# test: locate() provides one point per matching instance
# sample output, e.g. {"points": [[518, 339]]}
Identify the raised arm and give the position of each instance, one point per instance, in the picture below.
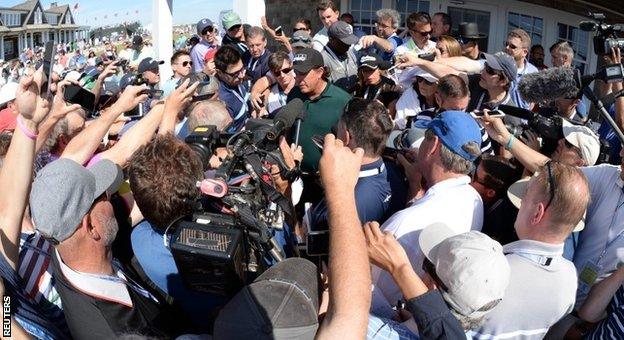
{"points": [[438, 70], [82, 147], [529, 158], [461, 64], [60, 109], [16, 171], [257, 89], [349, 271], [99, 83], [382, 43], [174, 104], [135, 137]]}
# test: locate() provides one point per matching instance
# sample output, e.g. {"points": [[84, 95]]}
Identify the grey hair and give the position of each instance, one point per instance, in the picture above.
{"points": [[60, 128], [209, 112], [387, 13], [453, 162], [563, 47], [255, 31]]}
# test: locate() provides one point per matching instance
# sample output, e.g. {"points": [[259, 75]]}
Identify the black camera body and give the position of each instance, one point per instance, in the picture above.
{"points": [[606, 35]]}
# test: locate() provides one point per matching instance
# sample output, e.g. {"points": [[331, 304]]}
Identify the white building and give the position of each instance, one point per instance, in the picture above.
{"points": [[29, 25]]}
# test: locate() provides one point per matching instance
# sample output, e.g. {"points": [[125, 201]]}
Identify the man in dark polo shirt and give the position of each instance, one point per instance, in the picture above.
{"points": [[380, 190], [70, 207], [323, 102]]}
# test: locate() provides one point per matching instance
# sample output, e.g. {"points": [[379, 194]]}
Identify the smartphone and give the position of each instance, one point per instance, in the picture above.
{"points": [[77, 95], [279, 31], [137, 112], [48, 63], [318, 243], [318, 141], [492, 114]]}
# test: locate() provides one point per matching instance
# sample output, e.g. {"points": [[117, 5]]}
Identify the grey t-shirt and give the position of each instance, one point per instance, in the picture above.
{"points": [[342, 69]]}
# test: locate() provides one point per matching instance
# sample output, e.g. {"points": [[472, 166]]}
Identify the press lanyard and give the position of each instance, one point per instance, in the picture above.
{"points": [[242, 100], [252, 66], [610, 243], [368, 91], [537, 259]]}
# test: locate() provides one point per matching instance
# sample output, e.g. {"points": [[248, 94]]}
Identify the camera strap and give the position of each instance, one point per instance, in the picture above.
{"points": [[270, 191]]}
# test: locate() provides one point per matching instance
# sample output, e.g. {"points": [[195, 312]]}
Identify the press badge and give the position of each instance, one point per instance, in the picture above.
{"points": [[588, 276]]}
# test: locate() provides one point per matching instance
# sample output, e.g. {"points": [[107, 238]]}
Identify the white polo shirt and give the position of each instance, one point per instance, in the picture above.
{"points": [[603, 224], [452, 202], [410, 46]]}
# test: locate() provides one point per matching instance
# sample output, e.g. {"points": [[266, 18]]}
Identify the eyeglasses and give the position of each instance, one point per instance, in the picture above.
{"points": [[235, 28], [551, 184], [381, 25], [511, 46], [207, 30], [236, 74], [185, 63]]}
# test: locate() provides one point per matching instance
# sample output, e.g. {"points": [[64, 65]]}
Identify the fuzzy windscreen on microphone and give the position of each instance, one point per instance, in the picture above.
{"points": [[549, 84]]}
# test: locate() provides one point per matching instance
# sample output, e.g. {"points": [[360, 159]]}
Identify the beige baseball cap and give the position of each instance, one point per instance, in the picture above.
{"points": [[516, 192], [471, 265], [583, 138]]}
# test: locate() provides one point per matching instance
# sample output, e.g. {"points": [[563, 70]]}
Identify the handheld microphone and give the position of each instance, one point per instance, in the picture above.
{"points": [[285, 118]]}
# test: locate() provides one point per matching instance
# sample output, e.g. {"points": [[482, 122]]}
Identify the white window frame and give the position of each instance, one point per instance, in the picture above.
{"points": [[358, 20], [404, 15], [530, 32]]}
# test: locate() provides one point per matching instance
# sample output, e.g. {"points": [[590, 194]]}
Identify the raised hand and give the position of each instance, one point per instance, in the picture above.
{"points": [[339, 165], [384, 250], [130, 98]]}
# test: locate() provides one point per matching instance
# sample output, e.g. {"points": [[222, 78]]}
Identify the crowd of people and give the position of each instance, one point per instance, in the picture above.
{"points": [[447, 217]]}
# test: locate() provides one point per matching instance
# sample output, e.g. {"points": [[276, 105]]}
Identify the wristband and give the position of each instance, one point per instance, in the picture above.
{"points": [[509, 143], [24, 129]]}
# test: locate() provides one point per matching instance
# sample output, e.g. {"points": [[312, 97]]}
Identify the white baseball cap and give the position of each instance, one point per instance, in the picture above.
{"points": [[583, 138], [7, 92], [471, 265], [405, 139]]}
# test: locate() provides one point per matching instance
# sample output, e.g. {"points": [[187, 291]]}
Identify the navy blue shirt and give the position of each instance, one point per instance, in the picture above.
{"points": [[396, 42], [256, 68], [606, 132], [236, 99], [158, 264], [380, 192]]}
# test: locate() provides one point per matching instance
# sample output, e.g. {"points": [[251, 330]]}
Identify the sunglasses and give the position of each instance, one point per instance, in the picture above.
{"points": [[304, 39], [510, 46], [421, 79], [236, 74], [207, 30], [492, 71], [186, 63], [299, 29], [284, 71], [235, 28], [425, 33], [551, 184]]}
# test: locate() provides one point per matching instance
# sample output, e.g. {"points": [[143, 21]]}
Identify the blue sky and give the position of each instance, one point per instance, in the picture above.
{"points": [[184, 11]]}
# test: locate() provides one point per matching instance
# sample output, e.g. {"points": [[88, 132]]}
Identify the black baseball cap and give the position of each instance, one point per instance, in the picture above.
{"points": [[373, 62], [149, 64], [137, 40], [307, 59], [282, 303], [343, 32]]}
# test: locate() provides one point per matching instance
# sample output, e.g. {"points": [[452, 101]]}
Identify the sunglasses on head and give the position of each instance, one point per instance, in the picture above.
{"points": [[207, 30], [304, 39]]}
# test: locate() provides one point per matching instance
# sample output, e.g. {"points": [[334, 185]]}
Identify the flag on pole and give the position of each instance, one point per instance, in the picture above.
{"points": [[76, 7]]}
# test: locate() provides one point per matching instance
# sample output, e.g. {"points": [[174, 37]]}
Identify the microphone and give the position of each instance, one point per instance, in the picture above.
{"points": [[588, 26], [551, 84], [517, 112], [285, 118]]}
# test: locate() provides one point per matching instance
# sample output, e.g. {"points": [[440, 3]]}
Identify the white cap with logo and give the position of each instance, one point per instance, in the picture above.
{"points": [[471, 265], [583, 138]]}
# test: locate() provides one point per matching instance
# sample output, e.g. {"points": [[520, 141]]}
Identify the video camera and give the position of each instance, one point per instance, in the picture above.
{"points": [[606, 36], [231, 236]]}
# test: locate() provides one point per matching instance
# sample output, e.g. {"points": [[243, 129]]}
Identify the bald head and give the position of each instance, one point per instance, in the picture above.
{"points": [[209, 112]]}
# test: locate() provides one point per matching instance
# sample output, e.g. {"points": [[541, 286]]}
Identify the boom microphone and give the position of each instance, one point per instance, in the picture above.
{"points": [[285, 118], [551, 84], [516, 112]]}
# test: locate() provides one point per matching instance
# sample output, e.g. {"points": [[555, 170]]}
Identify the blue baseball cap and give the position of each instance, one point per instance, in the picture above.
{"points": [[455, 129]]}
